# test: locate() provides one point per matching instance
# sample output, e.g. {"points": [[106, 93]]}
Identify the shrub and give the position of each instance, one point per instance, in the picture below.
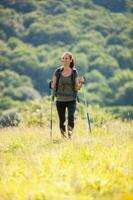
{"points": [[124, 112], [9, 118]]}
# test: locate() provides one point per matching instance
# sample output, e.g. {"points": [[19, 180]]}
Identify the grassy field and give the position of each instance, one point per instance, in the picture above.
{"points": [[97, 166]]}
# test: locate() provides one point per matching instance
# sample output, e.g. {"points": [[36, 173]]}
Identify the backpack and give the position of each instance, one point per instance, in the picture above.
{"points": [[73, 76]]}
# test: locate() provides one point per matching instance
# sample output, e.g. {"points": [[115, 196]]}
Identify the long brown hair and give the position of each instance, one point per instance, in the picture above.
{"points": [[71, 57]]}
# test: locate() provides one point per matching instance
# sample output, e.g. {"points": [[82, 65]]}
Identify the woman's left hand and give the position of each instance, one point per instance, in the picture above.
{"points": [[81, 79]]}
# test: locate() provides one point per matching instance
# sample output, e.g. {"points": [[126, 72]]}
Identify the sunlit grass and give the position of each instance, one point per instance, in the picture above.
{"points": [[90, 166]]}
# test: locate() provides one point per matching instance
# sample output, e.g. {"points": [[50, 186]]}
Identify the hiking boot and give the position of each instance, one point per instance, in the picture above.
{"points": [[70, 129], [63, 133]]}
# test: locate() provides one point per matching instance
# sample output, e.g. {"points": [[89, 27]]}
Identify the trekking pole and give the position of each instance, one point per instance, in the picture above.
{"points": [[86, 107], [51, 113]]}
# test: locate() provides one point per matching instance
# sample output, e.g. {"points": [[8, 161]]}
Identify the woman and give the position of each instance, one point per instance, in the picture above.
{"points": [[66, 83]]}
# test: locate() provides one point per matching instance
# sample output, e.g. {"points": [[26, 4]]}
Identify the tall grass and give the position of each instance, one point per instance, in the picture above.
{"points": [[95, 166]]}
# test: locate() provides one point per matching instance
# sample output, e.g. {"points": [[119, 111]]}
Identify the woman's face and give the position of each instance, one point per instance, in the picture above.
{"points": [[66, 59]]}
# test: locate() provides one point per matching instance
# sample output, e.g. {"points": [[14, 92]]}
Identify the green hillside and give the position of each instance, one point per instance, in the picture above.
{"points": [[34, 34]]}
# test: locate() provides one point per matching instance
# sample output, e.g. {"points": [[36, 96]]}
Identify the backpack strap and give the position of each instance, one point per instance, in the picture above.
{"points": [[73, 76], [58, 73]]}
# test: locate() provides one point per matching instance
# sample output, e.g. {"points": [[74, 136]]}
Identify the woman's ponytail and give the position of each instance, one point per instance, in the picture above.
{"points": [[72, 63]]}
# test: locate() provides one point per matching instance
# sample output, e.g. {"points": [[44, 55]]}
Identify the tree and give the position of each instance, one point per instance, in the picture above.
{"points": [[14, 42], [10, 78], [113, 5], [81, 63], [114, 39], [11, 23], [21, 93], [122, 55], [98, 89], [105, 64], [20, 5], [41, 32], [7, 102], [121, 87], [125, 94], [120, 78]]}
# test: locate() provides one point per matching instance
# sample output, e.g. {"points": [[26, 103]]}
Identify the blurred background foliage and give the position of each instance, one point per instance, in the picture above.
{"points": [[34, 34]]}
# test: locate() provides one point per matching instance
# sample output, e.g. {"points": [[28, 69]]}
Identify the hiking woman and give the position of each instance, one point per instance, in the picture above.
{"points": [[66, 83]]}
